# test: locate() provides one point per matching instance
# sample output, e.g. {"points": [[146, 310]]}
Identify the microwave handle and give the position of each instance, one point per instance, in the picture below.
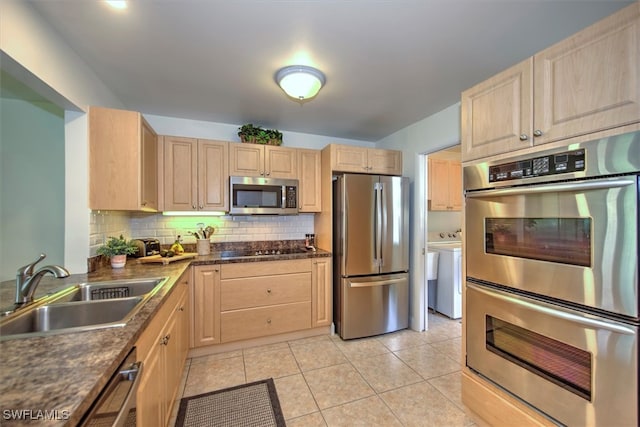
{"points": [[551, 188], [554, 312]]}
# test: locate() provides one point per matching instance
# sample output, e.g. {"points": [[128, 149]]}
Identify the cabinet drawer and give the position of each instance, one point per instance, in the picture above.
{"points": [[248, 269], [258, 322], [265, 290]]}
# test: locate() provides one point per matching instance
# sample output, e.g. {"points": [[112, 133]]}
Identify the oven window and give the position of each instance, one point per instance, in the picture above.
{"points": [[562, 364], [562, 240]]}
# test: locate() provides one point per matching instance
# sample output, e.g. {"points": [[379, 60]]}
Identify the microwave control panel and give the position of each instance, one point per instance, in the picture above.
{"points": [[553, 164], [291, 200]]}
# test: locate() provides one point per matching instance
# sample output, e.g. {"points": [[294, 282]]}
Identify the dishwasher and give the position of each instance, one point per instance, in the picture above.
{"points": [[116, 405]]}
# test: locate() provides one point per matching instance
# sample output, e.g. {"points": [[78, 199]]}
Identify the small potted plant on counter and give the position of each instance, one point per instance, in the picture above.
{"points": [[117, 249]]}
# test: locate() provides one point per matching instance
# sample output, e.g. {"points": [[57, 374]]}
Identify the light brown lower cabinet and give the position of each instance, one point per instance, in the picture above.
{"points": [[322, 292], [241, 301], [163, 347], [205, 306]]}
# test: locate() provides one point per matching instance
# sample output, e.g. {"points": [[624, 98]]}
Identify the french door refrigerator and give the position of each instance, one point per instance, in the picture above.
{"points": [[371, 254]]}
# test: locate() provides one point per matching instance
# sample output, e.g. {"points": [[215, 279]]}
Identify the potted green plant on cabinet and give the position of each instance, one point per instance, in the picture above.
{"points": [[250, 133], [117, 249]]}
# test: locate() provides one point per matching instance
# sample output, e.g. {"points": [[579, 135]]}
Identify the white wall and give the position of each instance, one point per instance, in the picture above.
{"points": [[33, 53], [229, 132], [30, 41], [32, 184], [436, 132]]}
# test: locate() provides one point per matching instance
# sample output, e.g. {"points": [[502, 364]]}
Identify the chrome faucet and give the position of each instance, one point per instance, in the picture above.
{"points": [[27, 281]]}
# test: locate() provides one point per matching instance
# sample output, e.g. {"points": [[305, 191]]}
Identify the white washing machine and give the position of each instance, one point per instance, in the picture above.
{"points": [[449, 282]]}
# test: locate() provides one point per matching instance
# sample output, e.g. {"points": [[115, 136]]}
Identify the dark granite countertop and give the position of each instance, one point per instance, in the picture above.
{"points": [[66, 372]]}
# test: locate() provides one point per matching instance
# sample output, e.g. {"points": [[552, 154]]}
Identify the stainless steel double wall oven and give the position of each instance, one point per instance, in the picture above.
{"points": [[552, 279]]}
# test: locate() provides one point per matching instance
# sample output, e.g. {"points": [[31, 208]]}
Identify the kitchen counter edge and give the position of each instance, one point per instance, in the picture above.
{"points": [[63, 374]]}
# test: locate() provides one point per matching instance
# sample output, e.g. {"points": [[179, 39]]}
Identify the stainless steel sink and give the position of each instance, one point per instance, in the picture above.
{"points": [[72, 316], [82, 307], [112, 289]]}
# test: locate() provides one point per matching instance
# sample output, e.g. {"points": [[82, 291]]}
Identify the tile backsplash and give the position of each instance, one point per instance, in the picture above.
{"points": [[227, 228], [104, 224]]}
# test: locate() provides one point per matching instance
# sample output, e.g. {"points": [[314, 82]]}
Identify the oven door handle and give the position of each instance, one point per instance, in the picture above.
{"points": [[554, 312], [552, 188]]}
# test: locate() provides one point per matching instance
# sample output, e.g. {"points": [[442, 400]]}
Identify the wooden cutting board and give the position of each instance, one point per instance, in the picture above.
{"points": [[166, 260]]}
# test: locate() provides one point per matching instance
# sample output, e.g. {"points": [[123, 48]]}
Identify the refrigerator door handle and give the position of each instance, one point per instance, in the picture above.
{"points": [[378, 224], [376, 283]]}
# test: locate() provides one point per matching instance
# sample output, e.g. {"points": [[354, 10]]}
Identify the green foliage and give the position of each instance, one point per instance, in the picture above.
{"points": [[258, 135], [117, 246]]}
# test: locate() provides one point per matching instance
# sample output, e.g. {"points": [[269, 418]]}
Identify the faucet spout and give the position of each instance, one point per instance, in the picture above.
{"points": [[27, 281]]}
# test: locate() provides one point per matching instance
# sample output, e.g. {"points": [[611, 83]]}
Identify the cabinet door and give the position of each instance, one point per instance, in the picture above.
{"points": [[445, 185], [346, 158], [205, 304], [322, 293], [310, 187], [213, 175], [149, 188], [280, 162], [438, 184], [180, 173], [455, 185], [385, 162], [173, 366], [590, 81], [496, 115], [246, 160], [115, 160], [149, 398]]}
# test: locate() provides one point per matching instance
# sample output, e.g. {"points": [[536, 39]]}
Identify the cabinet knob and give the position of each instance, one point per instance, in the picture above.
{"points": [[537, 132], [269, 321], [523, 137], [262, 173], [193, 207], [144, 203], [268, 173], [201, 207], [181, 309], [268, 291]]}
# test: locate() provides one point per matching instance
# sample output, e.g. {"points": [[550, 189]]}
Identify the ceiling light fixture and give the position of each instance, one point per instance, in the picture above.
{"points": [[300, 81], [117, 4]]}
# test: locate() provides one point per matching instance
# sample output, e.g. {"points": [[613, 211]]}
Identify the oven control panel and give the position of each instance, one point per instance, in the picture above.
{"points": [[553, 164]]}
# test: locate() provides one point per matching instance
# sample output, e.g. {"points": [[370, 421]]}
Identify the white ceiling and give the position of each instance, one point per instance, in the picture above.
{"points": [[389, 63]]}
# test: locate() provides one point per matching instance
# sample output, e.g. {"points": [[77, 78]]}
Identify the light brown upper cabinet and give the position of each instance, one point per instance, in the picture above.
{"points": [[262, 160], [348, 158], [586, 83], [123, 161], [196, 175], [445, 185], [310, 186]]}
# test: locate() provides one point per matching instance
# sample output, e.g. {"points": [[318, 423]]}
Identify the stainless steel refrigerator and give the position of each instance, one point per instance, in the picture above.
{"points": [[371, 254]]}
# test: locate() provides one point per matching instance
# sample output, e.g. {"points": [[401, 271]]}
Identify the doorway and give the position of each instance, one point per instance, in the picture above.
{"points": [[441, 209]]}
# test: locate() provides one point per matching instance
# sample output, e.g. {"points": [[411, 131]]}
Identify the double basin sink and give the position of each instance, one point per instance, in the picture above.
{"points": [[81, 307]]}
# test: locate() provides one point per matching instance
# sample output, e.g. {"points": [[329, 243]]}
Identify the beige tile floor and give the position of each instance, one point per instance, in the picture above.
{"points": [[404, 378]]}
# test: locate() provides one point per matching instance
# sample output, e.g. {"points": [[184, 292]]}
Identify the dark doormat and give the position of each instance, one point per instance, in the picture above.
{"points": [[254, 404]]}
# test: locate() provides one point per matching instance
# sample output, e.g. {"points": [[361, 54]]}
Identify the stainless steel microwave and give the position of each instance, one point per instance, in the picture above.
{"points": [[263, 196]]}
